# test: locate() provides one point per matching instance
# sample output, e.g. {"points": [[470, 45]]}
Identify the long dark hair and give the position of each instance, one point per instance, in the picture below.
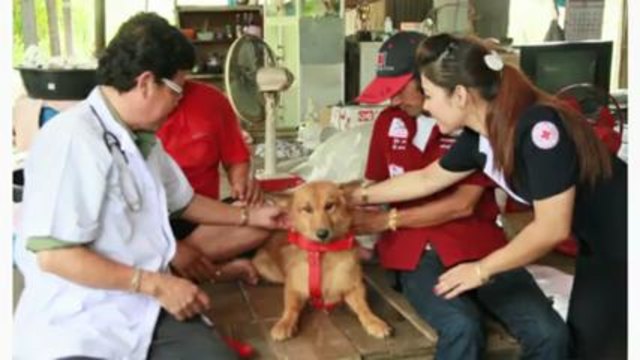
{"points": [[448, 61]]}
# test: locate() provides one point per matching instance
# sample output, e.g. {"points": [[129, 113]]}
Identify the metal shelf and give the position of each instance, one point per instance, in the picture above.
{"points": [[214, 41], [205, 76], [238, 8]]}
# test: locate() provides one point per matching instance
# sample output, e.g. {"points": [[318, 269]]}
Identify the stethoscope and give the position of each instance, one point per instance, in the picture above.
{"points": [[128, 184]]}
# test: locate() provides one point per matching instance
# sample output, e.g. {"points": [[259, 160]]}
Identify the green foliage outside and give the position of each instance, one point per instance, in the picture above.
{"points": [[82, 19]]}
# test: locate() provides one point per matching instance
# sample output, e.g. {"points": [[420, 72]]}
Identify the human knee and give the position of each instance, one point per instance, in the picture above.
{"points": [[462, 328], [549, 337]]}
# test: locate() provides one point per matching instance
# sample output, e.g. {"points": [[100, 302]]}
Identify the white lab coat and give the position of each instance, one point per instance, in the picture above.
{"points": [[72, 193]]}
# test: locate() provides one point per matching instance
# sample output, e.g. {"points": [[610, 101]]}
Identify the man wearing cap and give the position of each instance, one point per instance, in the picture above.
{"points": [[422, 238]]}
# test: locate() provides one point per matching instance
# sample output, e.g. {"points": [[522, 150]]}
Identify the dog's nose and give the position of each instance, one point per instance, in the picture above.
{"points": [[323, 234]]}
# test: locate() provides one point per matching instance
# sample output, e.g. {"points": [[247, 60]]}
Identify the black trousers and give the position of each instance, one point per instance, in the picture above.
{"points": [[187, 340], [182, 340], [598, 309]]}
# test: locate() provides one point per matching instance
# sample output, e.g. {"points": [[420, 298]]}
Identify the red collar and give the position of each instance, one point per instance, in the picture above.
{"points": [[314, 256]]}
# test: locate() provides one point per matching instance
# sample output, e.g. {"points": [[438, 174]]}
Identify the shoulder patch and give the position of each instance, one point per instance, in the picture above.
{"points": [[395, 170], [545, 135], [398, 129]]}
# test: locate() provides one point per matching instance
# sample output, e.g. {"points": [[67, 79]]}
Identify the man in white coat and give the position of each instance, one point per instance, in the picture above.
{"points": [[96, 237]]}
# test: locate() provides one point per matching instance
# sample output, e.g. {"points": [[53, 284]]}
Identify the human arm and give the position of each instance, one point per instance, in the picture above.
{"points": [[81, 265], [458, 163], [235, 156], [550, 226], [243, 186], [411, 185], [550, 169], [460, 203], [191, 263], [203, 210]]}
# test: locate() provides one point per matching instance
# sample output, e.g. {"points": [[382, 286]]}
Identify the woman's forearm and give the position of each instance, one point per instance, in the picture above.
{"points": [[533, 242], [408, 186], [550, 226]]}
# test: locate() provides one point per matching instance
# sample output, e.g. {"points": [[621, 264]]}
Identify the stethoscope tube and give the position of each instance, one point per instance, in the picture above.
{"points": [[126, 180]]}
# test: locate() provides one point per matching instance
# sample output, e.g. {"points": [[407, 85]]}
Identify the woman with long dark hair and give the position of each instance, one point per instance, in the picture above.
{"points": [[540, 152]]}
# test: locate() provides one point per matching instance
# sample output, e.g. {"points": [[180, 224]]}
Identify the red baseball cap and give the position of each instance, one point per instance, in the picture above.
{"points": [[395, 67]]}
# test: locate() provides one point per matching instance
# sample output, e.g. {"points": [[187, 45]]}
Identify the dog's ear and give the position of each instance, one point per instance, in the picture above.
{"points": [[280, 199], [350, 185], [347, 188]]}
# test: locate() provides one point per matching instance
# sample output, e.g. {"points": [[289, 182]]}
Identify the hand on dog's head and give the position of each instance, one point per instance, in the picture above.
{"points": [[318, 210]]}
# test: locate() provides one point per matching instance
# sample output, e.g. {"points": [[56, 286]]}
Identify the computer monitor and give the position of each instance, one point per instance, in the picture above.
{"points": [[552, 66]]}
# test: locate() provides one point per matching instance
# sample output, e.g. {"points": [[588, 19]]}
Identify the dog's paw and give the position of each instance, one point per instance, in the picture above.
{"points": [[282, 330], [377, 328]]}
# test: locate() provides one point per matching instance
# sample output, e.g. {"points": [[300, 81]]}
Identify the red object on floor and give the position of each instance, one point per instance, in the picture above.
{"points": [[281, 183], [242, 349], [568, 247]]}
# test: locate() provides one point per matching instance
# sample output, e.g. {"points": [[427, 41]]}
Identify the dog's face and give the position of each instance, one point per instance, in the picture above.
{"points": [[319, 211]]}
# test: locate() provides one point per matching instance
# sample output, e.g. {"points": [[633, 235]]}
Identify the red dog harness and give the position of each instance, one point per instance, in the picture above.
{"points": [[315, 250]]}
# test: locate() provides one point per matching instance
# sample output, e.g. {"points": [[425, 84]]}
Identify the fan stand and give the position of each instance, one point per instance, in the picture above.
{"points": [[271, 81], [270, 135], [248, 94]]}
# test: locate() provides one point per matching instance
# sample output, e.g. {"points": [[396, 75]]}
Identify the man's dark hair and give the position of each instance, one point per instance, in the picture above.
{"points": [[145, 42]]}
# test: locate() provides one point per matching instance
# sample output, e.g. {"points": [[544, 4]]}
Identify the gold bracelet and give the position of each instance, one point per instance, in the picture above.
{"points": [[135, 280], [244, 215], [392, 220], [364, 194], [481, 274]]}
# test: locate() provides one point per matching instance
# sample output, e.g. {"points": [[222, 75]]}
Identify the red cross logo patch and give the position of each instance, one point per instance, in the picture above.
{"points": [[545, 135]]}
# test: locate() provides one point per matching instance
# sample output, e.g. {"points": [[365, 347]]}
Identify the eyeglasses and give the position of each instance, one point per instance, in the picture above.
{"points": [[173, 86]]}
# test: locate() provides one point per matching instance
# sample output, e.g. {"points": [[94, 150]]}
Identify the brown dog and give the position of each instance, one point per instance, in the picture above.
{"points": [[318, 211]]}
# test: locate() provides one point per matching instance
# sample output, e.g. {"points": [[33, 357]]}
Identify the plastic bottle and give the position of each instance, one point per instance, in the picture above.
{"points": [[388, 26], [310, 129]]}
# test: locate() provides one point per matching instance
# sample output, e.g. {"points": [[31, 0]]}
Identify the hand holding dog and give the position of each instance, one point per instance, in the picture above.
{"points": [[248, 192], [369, 220], [268, 217]]}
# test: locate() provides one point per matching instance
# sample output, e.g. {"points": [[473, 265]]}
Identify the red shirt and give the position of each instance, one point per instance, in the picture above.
{"points": [[200, 133], [394, 150]]}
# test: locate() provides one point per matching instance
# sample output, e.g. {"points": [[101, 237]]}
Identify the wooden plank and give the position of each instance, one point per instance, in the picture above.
{"points": [[375, 277], [228, 305], [232, 315], [406, 341], [500, 344], [266, 300], [317, 338], [253, 334]]}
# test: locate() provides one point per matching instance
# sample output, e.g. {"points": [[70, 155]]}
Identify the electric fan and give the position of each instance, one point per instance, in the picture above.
{"points": [[253, 82], [600, 109]]}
